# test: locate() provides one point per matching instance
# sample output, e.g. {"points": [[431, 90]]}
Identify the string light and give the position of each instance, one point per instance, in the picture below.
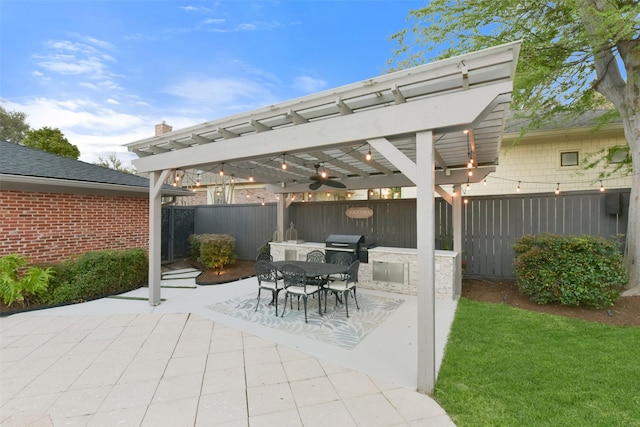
{"points": [[518, 187], [558, 189], [484, 181], [198, 180], [233, 178], [284, 163], [601, 186], [466, 201], [250, 175], [368, 156], [222, 170]]}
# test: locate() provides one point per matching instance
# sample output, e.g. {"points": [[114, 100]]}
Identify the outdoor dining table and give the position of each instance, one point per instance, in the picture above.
{"points": [[315, 270]]}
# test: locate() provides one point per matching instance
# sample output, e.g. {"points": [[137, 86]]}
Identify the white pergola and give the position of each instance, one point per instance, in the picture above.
{"points": [[422, 126]]}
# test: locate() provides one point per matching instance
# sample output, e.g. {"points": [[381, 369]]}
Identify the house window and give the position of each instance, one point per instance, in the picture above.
{"points": [[569, 158], [618, 154]]}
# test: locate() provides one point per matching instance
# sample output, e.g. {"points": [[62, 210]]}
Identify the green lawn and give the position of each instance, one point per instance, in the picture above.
{"points": [[510, 367]]}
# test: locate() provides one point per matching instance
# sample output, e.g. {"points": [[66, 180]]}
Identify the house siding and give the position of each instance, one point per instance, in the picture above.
{"points": [[535, 163], [50, 227]]}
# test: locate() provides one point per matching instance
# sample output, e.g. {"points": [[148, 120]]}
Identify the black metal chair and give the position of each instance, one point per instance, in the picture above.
{"points": [[316, 256], [267, 275], [342, 258], [295, 283], [344, 287], [263, 256]]}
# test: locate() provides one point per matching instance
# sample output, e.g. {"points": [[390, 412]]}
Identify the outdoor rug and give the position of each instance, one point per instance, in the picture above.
{"points": [[333, 327]]}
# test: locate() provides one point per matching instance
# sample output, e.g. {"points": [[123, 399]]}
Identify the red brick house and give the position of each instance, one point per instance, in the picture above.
{"points": [[53, 207]]}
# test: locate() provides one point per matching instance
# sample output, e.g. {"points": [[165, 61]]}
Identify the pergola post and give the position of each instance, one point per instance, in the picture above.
{"points": [[457, 233], [425, 212], [156, 179]]}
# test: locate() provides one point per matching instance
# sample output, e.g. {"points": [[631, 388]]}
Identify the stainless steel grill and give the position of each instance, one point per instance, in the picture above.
{"points": [[351, 243]]}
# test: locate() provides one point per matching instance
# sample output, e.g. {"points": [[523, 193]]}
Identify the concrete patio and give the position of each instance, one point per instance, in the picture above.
{"points": [[122, 362]]}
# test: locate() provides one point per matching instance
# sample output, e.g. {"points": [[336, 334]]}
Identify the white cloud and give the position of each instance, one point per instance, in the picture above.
{"points": [[112, 101], [224, 93], [309, 84], [214, 21], [85, 58]]}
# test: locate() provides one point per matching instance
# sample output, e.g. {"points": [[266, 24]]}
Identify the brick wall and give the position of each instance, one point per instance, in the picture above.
{"points": [[50, 227]]}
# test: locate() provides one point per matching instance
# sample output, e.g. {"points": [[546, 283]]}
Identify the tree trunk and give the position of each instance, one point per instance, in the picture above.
{"points": [[632, 250], [624, 93]]}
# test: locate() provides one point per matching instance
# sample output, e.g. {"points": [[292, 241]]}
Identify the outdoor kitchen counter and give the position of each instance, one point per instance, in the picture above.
{"points": [[389, 269]]}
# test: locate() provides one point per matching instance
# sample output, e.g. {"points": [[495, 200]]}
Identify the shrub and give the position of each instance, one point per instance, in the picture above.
{"points": [[99, 273], [214, 250], [570, 270], [19, 283]]}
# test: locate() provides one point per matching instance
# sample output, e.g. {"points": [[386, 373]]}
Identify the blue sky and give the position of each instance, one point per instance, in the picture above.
{"points": [[105, 72]]}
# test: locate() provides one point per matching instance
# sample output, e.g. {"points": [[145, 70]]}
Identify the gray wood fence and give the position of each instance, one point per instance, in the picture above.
{"points": [[491, 224]]}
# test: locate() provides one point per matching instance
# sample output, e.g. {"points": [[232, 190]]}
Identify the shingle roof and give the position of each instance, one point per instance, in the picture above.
{"points": [[18, 160], [587, 120]]}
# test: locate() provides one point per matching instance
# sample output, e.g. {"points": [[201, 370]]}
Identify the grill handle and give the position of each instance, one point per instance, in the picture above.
{"points": [[339, 244]]}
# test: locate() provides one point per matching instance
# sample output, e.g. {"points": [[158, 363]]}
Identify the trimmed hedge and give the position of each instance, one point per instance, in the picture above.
{"points": [[213, 250], [570, 270], [97, 274]]}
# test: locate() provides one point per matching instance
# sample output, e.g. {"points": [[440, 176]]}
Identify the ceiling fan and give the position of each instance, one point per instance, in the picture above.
{"points": [[320, 180]]}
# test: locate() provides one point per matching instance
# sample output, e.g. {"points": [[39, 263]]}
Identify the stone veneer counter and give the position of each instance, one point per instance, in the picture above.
{"points": [[389, 269]]}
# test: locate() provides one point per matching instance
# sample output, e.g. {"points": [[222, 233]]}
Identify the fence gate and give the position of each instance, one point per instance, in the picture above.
{"points": [[177, 225]]}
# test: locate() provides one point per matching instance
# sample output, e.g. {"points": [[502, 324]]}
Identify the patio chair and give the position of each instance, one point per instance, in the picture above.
{"points": [[295, 283], [342, 258], [344, 287], [268, 279], [316, 256], [264, 257]]}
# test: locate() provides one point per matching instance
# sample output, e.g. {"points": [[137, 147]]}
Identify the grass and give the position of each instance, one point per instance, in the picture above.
{"points": [[505, 366]]}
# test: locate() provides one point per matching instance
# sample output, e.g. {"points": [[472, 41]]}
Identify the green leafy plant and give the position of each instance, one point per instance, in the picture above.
{"points": [[214, 250], [570, 270], [19, 282]]}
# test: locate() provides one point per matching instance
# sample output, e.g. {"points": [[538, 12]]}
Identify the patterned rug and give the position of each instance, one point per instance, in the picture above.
{"points": [[333, 327]]}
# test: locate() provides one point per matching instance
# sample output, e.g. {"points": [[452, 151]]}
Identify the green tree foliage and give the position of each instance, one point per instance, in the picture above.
{"points": [[112, 161], [13, 125], [52, 141], [577, 55]]}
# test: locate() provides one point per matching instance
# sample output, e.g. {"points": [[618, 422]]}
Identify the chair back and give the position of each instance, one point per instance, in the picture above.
{"points": [[266, 272], [352, 273], [316, 256], [293, 276], [263, 256], [341, 258]]}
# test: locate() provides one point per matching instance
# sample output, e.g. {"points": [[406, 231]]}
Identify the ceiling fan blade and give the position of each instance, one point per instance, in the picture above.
{"points": [[334, 184], [315, 185]]}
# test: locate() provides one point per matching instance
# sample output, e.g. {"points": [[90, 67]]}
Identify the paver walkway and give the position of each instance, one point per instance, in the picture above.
{"points": [[63, 368]]}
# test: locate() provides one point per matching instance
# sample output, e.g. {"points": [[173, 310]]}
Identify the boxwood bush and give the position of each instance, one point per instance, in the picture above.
{"points": [[213, 250], [570, 270], [97, 274]]}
